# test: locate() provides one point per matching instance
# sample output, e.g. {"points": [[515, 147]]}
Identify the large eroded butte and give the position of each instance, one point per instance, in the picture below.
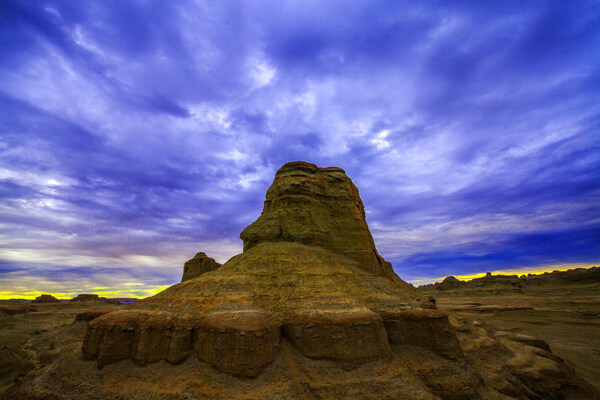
{"points": [[309, 273], [311, 278]]}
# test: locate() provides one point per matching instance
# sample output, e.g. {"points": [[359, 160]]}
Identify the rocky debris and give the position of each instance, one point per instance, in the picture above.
{"points": [[46, 298], [309, 295], [197, 266], [576, 276]]}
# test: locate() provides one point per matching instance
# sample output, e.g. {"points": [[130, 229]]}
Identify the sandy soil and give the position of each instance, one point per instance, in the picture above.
{"points": [[568, 319]]}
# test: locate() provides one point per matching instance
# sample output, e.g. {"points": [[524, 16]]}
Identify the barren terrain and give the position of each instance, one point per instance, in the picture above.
{"points": [[567, 318], [32, 335], [37, 340]]}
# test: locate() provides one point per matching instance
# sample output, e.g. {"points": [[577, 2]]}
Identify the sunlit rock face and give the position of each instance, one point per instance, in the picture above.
{"points": [[310, 298]]}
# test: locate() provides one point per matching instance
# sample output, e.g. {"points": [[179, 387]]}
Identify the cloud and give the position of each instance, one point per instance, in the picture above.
{"points": [[137, 130]]}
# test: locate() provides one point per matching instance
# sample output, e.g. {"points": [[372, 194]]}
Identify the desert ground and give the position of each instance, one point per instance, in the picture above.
{"points": [[32, 335], [36, 338], [567, 318]]}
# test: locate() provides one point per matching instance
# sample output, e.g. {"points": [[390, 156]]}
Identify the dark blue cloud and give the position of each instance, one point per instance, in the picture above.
{"points": [[530, 249], [152, 130]]}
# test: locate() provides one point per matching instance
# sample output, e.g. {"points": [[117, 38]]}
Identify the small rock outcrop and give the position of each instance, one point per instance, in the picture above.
{"points": [[46, 298], [197, 266]]}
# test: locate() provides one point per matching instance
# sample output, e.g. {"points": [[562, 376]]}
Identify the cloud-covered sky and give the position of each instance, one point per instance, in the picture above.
{"points": [[135, 133]]}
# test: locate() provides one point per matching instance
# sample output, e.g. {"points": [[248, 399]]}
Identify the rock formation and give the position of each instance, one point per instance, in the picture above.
{"points": [[310, 287], [448, 283], [93, 297], [46, 298], [85, 297], [197, 266], [309, 272]]}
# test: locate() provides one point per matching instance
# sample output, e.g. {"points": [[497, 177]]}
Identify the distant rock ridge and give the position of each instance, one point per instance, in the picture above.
{"points": [[449, 282], [569, 277]]}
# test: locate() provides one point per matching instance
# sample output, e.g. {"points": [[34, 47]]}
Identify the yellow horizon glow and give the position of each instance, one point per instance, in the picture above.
{"points": [[117, 293], [142, 292]]}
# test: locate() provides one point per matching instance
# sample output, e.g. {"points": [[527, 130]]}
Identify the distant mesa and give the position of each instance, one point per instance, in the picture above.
{"points": [[93, 297], [46, 298], [85, 297], [197, 266], [311, 293]]}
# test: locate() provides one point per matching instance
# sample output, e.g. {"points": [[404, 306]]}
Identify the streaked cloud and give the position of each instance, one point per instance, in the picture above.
{"points": [[134, 134]]}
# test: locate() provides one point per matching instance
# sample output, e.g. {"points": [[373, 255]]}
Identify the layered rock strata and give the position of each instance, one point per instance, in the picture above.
{"points": [[309, 297], [309, 273]]}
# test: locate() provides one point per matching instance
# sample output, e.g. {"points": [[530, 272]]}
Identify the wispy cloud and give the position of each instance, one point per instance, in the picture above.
{"points": [[134, 134]]}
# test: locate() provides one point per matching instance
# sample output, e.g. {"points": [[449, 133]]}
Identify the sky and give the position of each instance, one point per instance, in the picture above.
{"points": [[134, 133]]}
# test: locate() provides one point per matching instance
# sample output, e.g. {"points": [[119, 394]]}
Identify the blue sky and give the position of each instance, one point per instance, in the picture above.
{"points": [[135, 133]]}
